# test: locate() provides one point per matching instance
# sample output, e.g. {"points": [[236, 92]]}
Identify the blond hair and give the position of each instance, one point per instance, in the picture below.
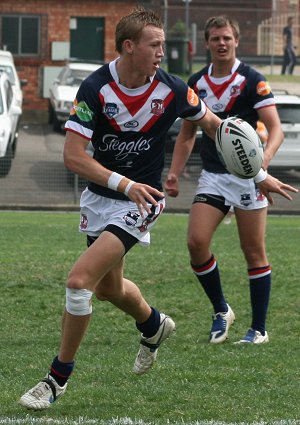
{"points": [[130, 27]]}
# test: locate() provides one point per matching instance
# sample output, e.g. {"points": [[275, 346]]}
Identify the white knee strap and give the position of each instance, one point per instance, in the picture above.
{"points": [[78, 301]]}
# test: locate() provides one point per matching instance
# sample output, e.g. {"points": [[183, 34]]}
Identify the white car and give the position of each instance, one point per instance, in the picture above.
{"points": [[10, 114], [288, 155], [7, 64], [63, 91]]}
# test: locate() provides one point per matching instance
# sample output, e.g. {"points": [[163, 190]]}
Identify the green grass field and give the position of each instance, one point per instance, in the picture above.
{"points": [[192, 382]]}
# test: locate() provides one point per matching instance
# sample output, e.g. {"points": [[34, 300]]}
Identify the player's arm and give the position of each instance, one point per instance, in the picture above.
{"points": [[209, 123], [184, 146], [77, 160], [269, 116], [181, 152]]}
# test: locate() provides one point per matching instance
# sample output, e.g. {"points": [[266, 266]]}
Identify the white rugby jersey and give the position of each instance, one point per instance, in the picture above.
{"points": [[240, 94], [128, 126]]}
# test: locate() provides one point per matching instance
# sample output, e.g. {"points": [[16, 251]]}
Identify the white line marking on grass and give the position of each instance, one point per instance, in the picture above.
{"points": [[31, 420]]}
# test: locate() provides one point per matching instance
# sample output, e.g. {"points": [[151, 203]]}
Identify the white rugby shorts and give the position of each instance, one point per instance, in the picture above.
{"points": [[240, 193], [96, 212]]}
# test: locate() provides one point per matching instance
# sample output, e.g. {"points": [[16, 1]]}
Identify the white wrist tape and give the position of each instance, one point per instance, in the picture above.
{"points": [[114, 180], [261, 176], [127, 188]]}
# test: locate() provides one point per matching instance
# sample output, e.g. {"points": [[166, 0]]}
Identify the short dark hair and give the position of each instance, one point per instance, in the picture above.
{"points": [[131, 26], [220, 22]]}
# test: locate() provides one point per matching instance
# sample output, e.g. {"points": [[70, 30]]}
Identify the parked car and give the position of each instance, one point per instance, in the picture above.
{"points": [[7, 64], [63, 91], [10, 114], [288, 155]]}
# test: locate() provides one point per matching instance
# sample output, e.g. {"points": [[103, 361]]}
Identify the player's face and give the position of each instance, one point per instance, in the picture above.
{"points": [[222, 44], [148, 52]]}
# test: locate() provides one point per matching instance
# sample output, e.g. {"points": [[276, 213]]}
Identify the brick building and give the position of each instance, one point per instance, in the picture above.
{"points": [[256, 19], [43, 34], [39, 32]]}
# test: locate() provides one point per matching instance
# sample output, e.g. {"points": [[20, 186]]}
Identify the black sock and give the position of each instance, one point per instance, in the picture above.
{"points": [[260, 287], [151, 325], [61, 371], [209, 277]]}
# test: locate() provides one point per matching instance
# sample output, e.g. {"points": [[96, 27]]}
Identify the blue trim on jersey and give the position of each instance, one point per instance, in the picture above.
{"points": [[128, 127], [239, 98]]}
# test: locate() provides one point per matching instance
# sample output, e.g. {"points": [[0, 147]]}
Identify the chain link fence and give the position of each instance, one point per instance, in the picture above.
{"points": [[38, 179]]}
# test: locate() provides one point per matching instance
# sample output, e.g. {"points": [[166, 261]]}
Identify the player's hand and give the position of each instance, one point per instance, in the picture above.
{"points": [[271, 184], [172, 185], [142, 195]]}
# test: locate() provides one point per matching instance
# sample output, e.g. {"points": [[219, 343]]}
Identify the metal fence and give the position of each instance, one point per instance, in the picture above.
{"points": [[261, 23], [269, 33], [39, 180]]}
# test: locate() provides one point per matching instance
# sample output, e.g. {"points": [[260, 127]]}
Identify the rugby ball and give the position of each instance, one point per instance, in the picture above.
{"points": [[239, 147]]}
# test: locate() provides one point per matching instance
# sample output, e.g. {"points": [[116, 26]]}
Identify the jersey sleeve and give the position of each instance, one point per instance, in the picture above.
{"points": [[85, 110], [260, 91], [189, 105]]}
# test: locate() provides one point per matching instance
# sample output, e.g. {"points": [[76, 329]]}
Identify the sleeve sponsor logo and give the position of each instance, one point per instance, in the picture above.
{"points": [[192, 98], [82, 110], [263, 88]]}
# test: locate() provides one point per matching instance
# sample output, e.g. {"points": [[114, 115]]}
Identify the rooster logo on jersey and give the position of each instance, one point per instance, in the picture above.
{"points": [[235, 90], [157, 107]]}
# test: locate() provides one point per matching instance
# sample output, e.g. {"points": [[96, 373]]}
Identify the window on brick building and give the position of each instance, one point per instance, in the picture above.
{"points": [[20, 34]]}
